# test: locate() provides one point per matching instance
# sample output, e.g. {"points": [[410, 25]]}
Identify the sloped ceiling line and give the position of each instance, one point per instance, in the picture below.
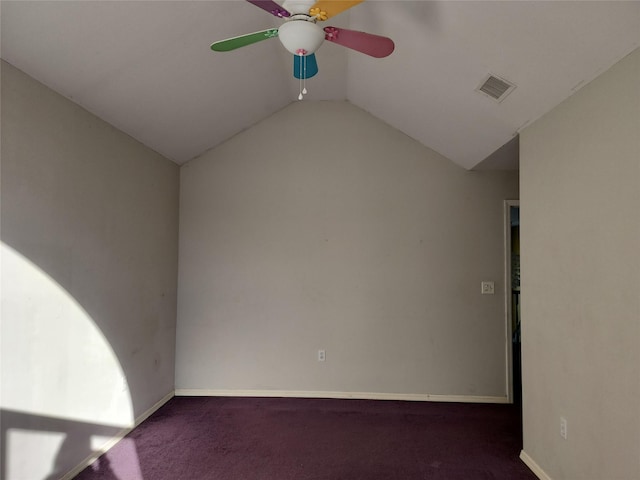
{"points": [[146, 67]]}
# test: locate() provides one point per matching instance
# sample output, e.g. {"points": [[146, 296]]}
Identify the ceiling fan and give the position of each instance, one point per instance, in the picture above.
{"points": [[302, 36]]}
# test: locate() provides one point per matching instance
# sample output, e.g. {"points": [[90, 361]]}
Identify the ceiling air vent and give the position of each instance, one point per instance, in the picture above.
{"points": [[496, 87]]}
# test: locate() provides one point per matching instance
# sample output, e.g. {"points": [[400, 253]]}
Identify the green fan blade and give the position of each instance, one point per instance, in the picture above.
{"points": [[243, 40]]}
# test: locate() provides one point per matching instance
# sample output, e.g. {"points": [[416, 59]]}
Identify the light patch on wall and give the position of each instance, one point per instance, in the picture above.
{"points": [[67, 369], [19, 440]]}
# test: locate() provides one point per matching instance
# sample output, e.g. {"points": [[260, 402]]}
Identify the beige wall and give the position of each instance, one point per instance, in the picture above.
{"points": [[580, 234], [89, 269], [324, 228]]}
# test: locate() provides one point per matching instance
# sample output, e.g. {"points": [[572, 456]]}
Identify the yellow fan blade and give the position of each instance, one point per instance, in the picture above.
{"points": [[324, 9]]}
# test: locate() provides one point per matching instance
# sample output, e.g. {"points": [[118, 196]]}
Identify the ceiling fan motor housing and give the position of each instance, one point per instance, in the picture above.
{"points": [[301, 36], [298, 6]]}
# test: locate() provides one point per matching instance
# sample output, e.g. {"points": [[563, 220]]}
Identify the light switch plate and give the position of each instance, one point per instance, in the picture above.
{"points": [[488, 288]]}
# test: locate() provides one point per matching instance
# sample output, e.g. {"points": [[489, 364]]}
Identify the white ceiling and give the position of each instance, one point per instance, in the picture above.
{"points": [[146, 67]]}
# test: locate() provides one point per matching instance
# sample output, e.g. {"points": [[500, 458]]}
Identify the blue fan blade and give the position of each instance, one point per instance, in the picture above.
{"points": [[305, 67]]}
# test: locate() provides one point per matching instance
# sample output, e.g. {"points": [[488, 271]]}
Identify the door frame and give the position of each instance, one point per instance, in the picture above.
{"points": [[508, 297]]}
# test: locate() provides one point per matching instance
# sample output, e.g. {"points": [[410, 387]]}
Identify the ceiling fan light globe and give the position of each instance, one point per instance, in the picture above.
{"points": [[301, 36]]}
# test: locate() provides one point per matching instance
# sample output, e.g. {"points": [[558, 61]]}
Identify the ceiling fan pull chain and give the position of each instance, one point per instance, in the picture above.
{"points": [[300, 96], [303, 69], [304, 77]]}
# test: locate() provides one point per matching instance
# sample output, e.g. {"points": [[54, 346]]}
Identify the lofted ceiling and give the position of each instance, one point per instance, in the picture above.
{"points": [[146, 67]]}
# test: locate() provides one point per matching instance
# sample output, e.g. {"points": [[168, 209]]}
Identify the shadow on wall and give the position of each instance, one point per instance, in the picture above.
{"points": [[63, 439], [64, 393]]}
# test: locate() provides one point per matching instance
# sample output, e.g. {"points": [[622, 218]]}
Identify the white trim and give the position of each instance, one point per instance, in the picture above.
{"points": [[533, 466], [415, 397], [507, 296], [115, 439]]}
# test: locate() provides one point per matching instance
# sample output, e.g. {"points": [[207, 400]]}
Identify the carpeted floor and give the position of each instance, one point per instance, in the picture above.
{"points": [[282, 438]]}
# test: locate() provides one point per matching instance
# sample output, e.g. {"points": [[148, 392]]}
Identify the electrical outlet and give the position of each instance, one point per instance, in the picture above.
{"points": [[321, 355], [563, 427], [488, 288]]}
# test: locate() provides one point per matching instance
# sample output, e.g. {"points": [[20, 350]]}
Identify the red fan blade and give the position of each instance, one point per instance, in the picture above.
{"points": [[367, 43], [270, 6]]}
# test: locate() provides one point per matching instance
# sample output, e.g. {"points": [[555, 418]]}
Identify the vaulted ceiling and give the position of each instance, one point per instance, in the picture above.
{"points": [[146, 66]]}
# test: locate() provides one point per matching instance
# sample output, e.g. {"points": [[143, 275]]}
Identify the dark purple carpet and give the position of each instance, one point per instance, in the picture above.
{"points": [[282, 438]]}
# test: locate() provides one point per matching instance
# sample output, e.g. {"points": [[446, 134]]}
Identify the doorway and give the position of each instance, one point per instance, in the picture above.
{"points": [[512, 300]]}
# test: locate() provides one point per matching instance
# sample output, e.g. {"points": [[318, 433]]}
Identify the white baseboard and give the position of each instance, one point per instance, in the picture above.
{"points": [[415, 397], [533, 466], [119, 436]]}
